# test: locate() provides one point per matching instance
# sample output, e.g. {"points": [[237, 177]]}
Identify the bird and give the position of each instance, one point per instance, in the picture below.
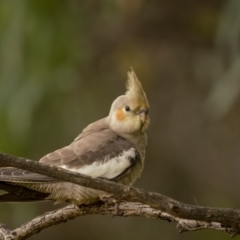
{"points": [[111, 148]]}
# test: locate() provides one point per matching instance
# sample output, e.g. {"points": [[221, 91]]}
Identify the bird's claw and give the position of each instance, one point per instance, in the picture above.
{"points": [[111, 200]]}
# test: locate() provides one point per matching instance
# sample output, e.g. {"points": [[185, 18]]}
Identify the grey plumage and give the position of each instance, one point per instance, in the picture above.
{"points": [[112, 148]]}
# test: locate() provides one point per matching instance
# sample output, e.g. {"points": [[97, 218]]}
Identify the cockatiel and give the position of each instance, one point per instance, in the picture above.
{"points": [[112, 148]]}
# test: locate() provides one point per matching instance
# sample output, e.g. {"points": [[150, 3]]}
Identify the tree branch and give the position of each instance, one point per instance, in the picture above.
{"points": [[125, 209], [149, 204]]}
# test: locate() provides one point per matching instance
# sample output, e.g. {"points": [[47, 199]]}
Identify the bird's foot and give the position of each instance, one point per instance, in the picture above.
{"points": [[109, 199]]}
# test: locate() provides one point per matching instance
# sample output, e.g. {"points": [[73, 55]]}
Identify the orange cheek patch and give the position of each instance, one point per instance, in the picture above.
{"points": [[120, 115]]}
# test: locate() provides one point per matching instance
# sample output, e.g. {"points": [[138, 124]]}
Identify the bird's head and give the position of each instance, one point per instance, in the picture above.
{"points": [[129, 112]]}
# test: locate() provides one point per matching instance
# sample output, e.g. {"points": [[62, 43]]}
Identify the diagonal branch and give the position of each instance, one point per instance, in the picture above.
{"points": [[189, 217]]}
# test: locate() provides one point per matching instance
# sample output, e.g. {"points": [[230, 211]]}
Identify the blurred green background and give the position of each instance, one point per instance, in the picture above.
{"points": [[62, 63]]}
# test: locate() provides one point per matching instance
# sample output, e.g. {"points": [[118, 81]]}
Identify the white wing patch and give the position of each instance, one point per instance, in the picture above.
{"points": [[108, 168]]}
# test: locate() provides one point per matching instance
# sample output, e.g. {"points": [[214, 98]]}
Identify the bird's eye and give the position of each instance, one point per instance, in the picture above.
{"points": [[127, 108]]}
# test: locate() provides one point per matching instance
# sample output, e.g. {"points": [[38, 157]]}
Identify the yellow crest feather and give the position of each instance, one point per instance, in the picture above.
{"points": [[135, 90]]}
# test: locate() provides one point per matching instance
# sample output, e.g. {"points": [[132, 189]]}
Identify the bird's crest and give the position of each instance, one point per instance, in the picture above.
{"points": [[135, 90]]}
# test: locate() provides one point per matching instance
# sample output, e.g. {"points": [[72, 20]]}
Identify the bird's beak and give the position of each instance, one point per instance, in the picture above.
{"points": [[142, 114]]}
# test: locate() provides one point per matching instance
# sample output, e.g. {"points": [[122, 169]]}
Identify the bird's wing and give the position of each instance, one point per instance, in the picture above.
{"points": [[97, 153]]}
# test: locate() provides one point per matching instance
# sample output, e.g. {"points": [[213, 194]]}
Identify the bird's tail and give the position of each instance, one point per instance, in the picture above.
{"points": [[12, 183], [8, 197], [14, 193]]}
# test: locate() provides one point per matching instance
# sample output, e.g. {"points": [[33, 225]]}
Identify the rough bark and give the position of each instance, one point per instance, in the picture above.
{"points": [[132, 201]]}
